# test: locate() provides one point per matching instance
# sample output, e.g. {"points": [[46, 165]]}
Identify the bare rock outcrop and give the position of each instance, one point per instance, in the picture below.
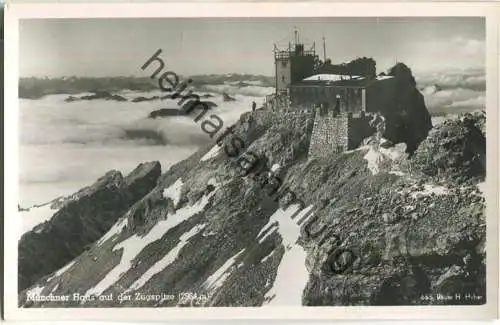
{"points": [[81, 219], [408, 119], [227, 98], [97, 95], [454, 149]]}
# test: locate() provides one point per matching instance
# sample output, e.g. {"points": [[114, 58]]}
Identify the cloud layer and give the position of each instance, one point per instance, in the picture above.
{"points": [[453, 92]]}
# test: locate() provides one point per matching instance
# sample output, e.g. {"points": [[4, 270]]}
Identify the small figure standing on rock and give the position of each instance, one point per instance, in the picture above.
{"points": [[254, 106]]}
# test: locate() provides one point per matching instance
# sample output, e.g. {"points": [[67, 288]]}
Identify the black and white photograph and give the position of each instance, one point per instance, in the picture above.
{"points": [[251, 162]]}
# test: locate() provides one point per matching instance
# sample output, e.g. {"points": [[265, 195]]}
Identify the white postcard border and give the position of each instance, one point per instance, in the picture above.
{"points": [[14, 12]]}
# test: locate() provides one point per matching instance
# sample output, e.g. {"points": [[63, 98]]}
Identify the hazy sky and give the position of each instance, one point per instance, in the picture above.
{"points": [[106, 47]]}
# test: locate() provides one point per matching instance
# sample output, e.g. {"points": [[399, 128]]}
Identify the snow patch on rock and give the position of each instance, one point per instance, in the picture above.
{"points": [[482, 187], [213, 181], [212, 153], [132, 246], [290, 280], [270, 227], [55, 288], [292, 274], [268, 256], [114, 231], [275, 168], [377, 157], [216, 280], [36, 291], [174, 191], [61, 270], [208, 233], [167, 259], [430, 189]]}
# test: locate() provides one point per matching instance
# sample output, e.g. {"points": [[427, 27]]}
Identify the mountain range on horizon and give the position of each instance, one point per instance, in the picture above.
{"points": [[444, 93]]}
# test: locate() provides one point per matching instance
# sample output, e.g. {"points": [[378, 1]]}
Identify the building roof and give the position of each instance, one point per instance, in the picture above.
{"points": [[329, 77], [384, 77], [340, 80]]}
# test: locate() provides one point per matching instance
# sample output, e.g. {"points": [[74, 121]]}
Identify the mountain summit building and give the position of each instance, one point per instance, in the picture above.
{"points": [[343, 98]]}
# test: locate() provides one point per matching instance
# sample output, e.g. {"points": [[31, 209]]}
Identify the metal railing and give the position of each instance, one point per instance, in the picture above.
{"points": [[285, 54]]}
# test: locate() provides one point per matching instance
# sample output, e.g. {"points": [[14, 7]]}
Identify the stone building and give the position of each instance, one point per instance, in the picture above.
{"points": [[292, 65], [340, 93], [343, 102], [338, 133]]}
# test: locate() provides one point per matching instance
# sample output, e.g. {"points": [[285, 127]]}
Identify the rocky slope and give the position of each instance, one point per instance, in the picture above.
{"points": [[365, 227], [81, 219]]}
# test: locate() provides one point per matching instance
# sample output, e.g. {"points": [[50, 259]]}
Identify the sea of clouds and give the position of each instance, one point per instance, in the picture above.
{"points": [[65, 146], [453, 92]]}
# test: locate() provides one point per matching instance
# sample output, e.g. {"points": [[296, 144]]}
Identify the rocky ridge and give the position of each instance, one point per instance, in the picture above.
{"points": [[80, 219], [373, 227], [97, 95]]}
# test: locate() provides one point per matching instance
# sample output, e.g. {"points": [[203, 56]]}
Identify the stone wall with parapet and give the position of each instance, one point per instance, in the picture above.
{"points": [[293, 117], [329, 134]]}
